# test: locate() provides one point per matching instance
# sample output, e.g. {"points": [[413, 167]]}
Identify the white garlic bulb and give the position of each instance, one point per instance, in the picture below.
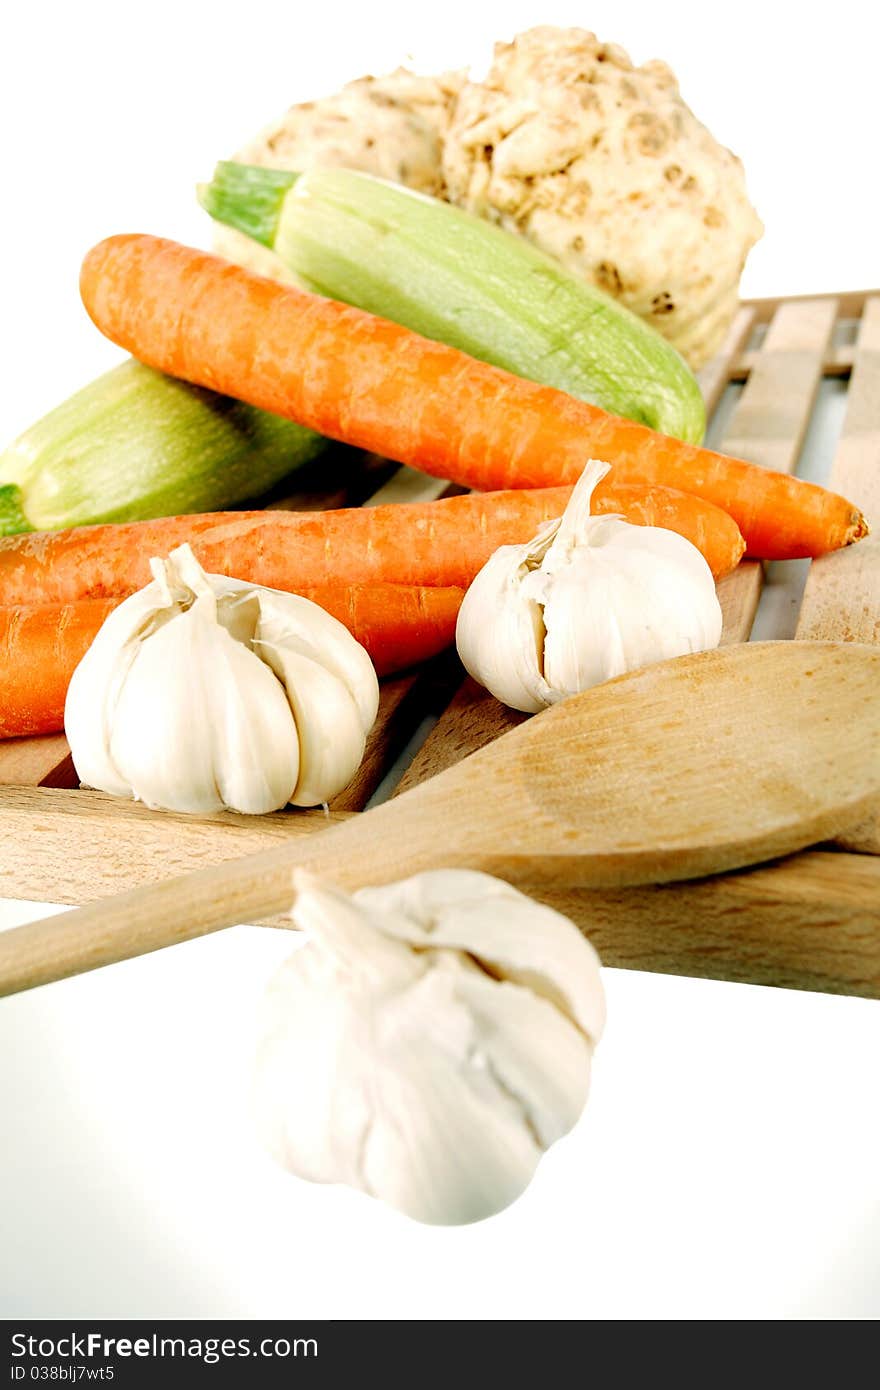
{"points": [[202, 693], [591, 597], [430, 1041]]}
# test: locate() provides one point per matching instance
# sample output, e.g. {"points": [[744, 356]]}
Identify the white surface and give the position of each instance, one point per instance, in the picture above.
{"points": [[727, 1163]]}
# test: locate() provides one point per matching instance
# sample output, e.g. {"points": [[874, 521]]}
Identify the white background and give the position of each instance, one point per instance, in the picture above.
{"points": [[727, 1163]]}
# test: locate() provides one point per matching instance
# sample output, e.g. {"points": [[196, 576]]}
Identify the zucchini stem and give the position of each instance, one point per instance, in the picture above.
{"points": [[247, 197], [12, 515]]}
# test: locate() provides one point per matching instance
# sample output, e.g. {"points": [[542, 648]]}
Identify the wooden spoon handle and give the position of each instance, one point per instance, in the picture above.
{"points": [[811, 921], [150, 917], [391, 841]]}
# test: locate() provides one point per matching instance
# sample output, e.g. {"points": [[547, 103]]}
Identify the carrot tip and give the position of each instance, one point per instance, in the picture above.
{"points": [[858, 530]]}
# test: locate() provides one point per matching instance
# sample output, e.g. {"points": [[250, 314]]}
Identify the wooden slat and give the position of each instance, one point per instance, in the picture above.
{"points": [[838, 361], [842, 595], [851, 303], [739, 594], [472, 719], [715, 375], [387, 735], [403, 704], [769, 425], [35, 762], [770, 421], [841, 599]]}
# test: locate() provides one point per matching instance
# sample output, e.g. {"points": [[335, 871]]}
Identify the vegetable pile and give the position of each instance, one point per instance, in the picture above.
{"points": [[349, 375], [203, 658], [416, 331]]}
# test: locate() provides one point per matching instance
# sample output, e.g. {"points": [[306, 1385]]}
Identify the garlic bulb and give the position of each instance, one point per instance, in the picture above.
{"points": [[202, 693], [430, 1041], [589, 598]]}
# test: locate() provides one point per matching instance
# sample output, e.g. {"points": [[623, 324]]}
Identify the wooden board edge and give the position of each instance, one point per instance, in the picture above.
{"points": [[851, 302]]}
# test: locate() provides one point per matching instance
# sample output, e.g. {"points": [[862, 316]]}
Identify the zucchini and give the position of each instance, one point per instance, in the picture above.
{"points": [[136, 444], [462, 281]]}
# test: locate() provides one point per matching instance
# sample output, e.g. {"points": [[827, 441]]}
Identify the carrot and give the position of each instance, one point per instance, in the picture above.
{"points": [[713, 531], [399, 624], [41, 645], [371, 383], [39, 649], [435, 543]]}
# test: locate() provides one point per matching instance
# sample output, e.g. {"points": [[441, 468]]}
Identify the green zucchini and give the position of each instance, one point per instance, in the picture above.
{"points": [[462, 281], [136, 444]]}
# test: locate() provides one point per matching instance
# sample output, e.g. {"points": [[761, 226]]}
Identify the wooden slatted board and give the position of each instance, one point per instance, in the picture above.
{"points": [[811, 921]]}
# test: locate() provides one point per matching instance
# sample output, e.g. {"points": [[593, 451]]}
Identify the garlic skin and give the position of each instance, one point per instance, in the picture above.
{"points": [[428, 1043], [202, 693], [590, 598]]}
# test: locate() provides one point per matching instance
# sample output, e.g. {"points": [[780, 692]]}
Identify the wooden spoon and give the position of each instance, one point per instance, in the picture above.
{"points": [[691, 767]]}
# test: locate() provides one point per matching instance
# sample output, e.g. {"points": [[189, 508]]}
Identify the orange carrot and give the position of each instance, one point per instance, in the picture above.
{"points": [[371, 383], [399, 624], [39, 650], [433, 543], [41, 645]]}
